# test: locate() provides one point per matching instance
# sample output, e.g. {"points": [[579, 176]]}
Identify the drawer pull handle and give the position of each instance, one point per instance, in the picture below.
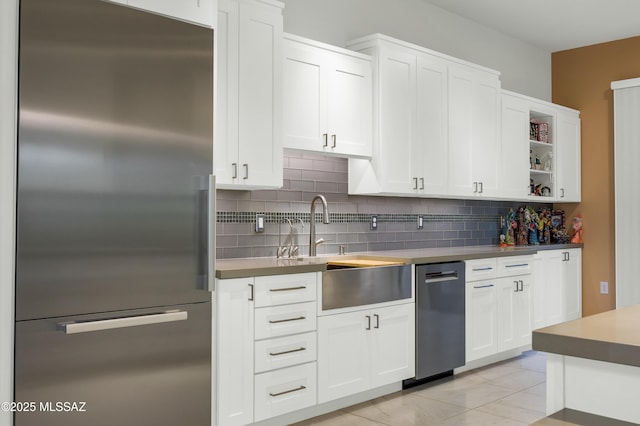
{"points": [[286, 320], [489, 268], [517, 265], [483, 286], [112, 323], [288, 288], [287, 352], [288, 391]]}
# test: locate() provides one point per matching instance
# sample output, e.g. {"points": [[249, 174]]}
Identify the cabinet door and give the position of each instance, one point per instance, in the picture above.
{"points": [[350, 106], [429, 148], [198, 11], [474, 146], [234, 329], [343, 354], [568, 157], [523, 311], [481, 319], [572, 284], [554, 289], [305, 97], [486, 143], [260, 96], [396, 102], [508, 289], [392, 344], [225, 148], [514, 165], [538, 293]]}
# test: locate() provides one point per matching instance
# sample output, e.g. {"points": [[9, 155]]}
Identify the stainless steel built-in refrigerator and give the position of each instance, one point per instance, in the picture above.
{"points": [[114, 203]]}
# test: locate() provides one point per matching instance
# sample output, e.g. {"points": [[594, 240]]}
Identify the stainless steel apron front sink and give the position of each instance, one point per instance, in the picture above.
{"points": [[347, 287]]}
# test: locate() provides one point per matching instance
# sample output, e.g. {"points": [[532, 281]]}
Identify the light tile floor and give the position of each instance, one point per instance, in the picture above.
{"points": [[511, 392]]}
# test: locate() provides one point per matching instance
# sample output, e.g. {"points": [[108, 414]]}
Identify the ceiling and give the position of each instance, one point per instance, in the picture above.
{"points": [[553, 25]]}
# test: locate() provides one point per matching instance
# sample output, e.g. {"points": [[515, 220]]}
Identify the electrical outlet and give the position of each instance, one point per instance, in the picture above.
{"points": [[374, 222], [259, 223], [604, 287], [420, 222]]}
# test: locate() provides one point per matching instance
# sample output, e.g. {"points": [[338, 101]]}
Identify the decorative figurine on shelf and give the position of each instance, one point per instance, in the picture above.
{"points": [[559, 233], [544, 224], [577, 229], [510, 226], [523, 227], [503, 241], [533, 227]]}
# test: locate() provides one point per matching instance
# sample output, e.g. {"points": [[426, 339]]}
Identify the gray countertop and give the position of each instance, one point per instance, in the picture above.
{"points": [[252, 267], [611, 336]]}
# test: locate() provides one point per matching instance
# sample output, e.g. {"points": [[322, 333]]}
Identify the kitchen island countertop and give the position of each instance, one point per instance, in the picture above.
{"points": [[260, 266], [612, 336]]}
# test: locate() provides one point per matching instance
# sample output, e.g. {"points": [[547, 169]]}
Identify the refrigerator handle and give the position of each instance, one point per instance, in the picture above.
{"points": [[211, 235], [206, 234], [111, 323]]}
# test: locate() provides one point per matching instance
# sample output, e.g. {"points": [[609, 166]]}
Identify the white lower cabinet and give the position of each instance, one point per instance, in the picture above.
{"points": [[365, 349], [266, 356], [234, 361], [498, 305], [514, 307], [282, 391], [558, 287], [481, 319]]}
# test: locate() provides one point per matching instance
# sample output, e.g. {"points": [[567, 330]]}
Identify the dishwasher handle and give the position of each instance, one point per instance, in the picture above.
{"points": [[436, 277]]}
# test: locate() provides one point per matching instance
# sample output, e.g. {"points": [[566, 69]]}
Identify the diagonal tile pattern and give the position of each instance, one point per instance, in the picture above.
{"points": [[511, 392]]}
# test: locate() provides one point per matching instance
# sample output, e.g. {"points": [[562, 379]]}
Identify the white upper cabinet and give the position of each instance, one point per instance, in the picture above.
{"points": [[568, 156], [474, 143], [327, 99], [435, 124], [540, 158], [395, 119], [514, 158], [429, 147], [197, 11], [248, 127]]}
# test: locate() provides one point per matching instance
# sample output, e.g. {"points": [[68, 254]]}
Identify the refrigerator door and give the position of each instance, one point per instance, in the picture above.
{"points": [[144, 367], [115, 152]]}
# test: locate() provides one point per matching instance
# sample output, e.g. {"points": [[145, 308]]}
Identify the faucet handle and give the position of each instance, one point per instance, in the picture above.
{"points": [[281, 251]]}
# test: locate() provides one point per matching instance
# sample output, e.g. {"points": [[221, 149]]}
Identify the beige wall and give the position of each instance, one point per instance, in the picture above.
{"points": [[581, 79]]}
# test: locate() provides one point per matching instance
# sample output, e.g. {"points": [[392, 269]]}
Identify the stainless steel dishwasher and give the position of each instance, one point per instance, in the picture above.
{"points": [[440, 329]]}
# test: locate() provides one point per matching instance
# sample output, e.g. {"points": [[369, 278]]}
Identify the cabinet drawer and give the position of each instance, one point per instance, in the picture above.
{"points": [[284, 289], [515, 265], [285, 351], [282, 320], [481, 269], [281, 391]]}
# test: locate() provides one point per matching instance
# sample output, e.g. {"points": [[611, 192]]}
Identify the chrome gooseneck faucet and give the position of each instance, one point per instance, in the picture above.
{"points": [[313, 244]]}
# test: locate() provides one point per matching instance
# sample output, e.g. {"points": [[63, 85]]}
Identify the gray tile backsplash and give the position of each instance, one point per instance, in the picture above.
{"points": [[447, 223]]}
